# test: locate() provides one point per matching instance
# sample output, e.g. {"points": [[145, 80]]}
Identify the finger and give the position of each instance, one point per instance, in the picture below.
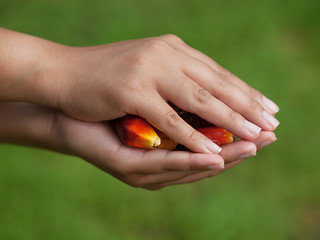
{"points": [[265, 139], [238, 150], [228, 92], [160, 161], [233, 155], [189, 96], [231, 152], [151, 180], [265, 102], [197, 176], [164, 118], [177, 43]]}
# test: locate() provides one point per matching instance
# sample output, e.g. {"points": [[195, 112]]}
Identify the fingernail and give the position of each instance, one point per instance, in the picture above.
{"points": [[271, 106], [212, 147], [253, 129], [271, 120], [219, 166], [247, 155], [267, 142]]}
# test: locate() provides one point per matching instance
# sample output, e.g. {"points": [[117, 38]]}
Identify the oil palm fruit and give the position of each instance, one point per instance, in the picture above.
{"points": [[218, 135], [134, 131]]}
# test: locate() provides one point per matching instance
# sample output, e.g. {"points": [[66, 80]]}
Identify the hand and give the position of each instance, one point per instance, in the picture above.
{"points": [[29, 124], [136, 77], [149, 169], [233, 154], [139, 76]]}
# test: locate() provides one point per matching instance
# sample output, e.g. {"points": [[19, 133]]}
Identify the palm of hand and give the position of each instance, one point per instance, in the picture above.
{"points": [[151, 169]]}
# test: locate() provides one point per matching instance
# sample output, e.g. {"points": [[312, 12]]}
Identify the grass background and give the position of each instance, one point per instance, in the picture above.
{"points": [[272, 45]]}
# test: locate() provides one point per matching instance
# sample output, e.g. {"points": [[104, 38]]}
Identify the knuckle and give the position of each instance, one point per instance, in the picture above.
{"points": [[222, 75], [201, 96], [172, 38], [167, 162], [223, 80], [126, 102], [135, 85], [254, 106], [156, 45], [139, 60], [192, 165], [226, 73], [255, 93], [232, 116], [221, 84], [172, 119], [195, 136]]}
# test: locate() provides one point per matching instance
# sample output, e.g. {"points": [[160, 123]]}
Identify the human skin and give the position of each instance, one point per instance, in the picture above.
{"points": [[136, 77], [37, 126]]}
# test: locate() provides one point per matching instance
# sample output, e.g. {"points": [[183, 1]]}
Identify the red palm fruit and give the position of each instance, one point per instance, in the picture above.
{"points": [[218, 135], [134, 131]]}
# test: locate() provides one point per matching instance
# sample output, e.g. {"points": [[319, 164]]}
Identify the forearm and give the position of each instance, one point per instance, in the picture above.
{"points": [[26, 124], [28, 68]]}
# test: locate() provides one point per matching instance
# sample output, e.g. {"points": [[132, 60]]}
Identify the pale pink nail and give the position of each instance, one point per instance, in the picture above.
{"points": [[219, 166], [212, 147], [267, 142], [271, 106], [271, 120], [253, 129], [247, 155]]}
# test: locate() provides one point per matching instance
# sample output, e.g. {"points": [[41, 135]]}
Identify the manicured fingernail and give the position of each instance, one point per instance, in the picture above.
{"points": [[271, 120], [267, 142], [253, 129], [212, 147], [219, 166], [247, 155], [271, 106]]}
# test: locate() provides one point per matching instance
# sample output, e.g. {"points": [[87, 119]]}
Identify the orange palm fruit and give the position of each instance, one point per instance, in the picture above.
{"points": [[134, 131], [166, 142], [218, 135]]}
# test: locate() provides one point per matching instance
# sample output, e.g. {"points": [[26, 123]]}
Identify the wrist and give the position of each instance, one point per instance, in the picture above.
{"points": [[44, 85], [26, 124], [49, 82], [30, 69]]}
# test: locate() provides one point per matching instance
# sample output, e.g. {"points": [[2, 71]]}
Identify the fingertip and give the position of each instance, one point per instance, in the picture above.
{"points": [[219, 166], [203, 161], [238, 150], [250, 148], [271, 139], [254, 130], [270, 105], [271, 121], [268, 134], [211, 147], [265, 138], [250, 151]]}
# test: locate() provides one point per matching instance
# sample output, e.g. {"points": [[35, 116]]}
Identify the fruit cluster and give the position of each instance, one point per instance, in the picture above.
{"points": [[135, 131]]}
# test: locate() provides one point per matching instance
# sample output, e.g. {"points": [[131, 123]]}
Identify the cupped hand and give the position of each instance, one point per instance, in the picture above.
{"points": [[233, 154], [140, 76], [149, 169]]}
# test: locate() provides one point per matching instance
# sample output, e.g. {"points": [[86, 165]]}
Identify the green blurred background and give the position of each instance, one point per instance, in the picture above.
{"points": [[273, 45]]}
